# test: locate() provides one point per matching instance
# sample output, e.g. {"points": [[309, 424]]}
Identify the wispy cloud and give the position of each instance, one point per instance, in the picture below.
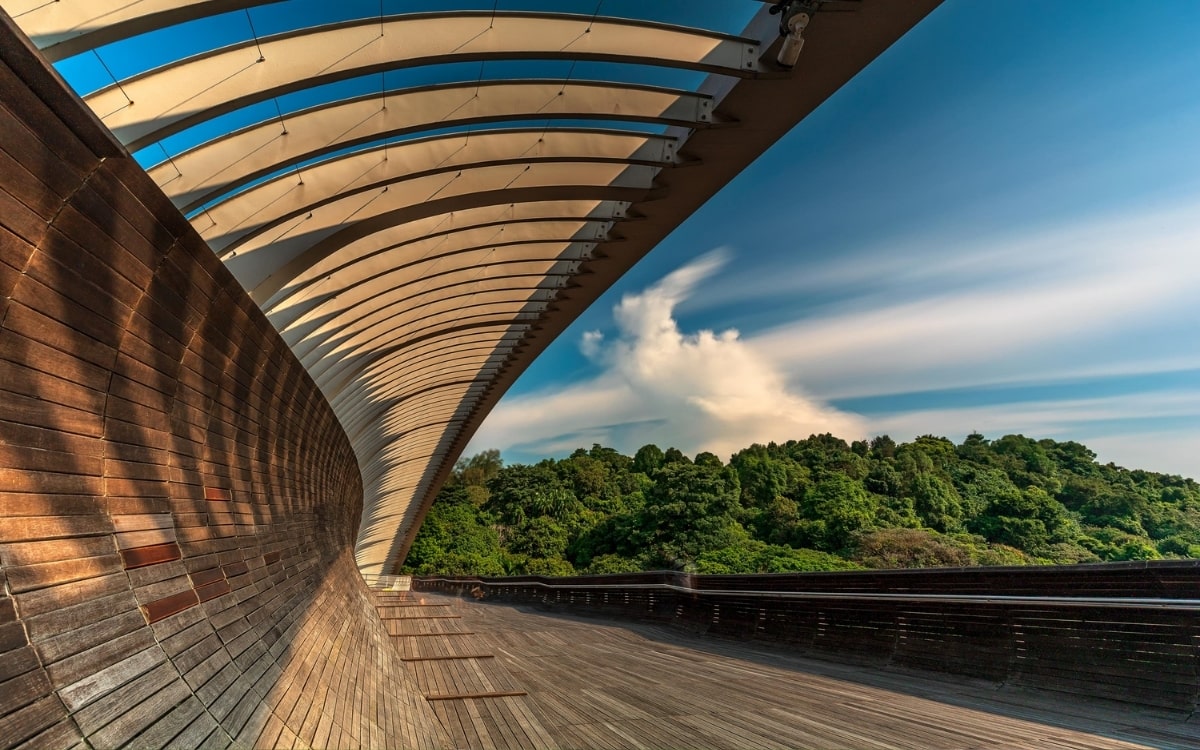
{"points": [[1053, 304], [704, 390]]}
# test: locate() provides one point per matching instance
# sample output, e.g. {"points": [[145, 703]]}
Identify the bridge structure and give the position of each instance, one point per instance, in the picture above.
{"points": [[234, 372], [420, 202]]}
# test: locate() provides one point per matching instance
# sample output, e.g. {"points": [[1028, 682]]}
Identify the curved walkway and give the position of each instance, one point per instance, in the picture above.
{"points": [[503, 676]]}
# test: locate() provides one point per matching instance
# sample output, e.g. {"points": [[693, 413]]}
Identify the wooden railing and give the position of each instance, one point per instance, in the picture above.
{"points": [[1128, 631]]}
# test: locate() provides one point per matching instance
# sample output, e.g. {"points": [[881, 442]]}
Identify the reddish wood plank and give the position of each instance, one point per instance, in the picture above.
{"points": [[169, 605], [152, 555], [217, 494]]}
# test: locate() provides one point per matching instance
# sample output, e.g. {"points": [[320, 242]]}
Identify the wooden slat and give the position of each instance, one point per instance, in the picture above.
{"points": [[139, 557], [169, 605], [473, 696], [605, 684], [447, 657]]}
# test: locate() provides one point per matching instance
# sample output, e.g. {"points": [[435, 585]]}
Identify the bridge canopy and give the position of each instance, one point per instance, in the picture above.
{"points": [[422, 199]]}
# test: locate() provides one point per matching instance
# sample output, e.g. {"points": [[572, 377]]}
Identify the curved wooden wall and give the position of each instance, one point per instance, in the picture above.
{"points": [[178, 504]]}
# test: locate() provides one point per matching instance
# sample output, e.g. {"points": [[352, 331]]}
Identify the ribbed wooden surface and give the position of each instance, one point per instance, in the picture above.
{"points": [[594, 683], [177, 501]]}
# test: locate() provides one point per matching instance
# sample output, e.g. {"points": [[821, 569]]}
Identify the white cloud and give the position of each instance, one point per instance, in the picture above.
{"points": [[590, 344], [1056, 303], [1041, 418], [705, 390]]}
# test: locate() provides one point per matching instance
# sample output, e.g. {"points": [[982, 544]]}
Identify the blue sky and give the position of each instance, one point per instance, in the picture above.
{"points": [[995, 227]]}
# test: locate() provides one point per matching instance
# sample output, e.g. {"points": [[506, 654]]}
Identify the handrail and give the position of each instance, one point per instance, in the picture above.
{"points": [[1130, 633], [1046, 601]]}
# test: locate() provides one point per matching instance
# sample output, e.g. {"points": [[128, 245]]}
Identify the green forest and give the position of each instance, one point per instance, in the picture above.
{"points": [[806, 505]]}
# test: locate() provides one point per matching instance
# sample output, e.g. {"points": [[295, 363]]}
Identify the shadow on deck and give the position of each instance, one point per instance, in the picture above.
{"points": [[501, 675]]}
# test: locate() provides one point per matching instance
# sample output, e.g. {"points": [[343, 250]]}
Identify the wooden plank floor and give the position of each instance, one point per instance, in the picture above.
{"points": [[594, 683], [473, 695]]}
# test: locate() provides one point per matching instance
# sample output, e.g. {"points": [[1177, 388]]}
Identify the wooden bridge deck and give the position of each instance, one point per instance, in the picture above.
{"points": [[500, 676]]}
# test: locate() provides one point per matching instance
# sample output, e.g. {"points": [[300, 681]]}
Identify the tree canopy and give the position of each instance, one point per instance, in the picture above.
{"points": [[813, 504]]}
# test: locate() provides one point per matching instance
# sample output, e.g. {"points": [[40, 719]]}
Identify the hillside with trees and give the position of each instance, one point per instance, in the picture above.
{"points": [[805, 505]]}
